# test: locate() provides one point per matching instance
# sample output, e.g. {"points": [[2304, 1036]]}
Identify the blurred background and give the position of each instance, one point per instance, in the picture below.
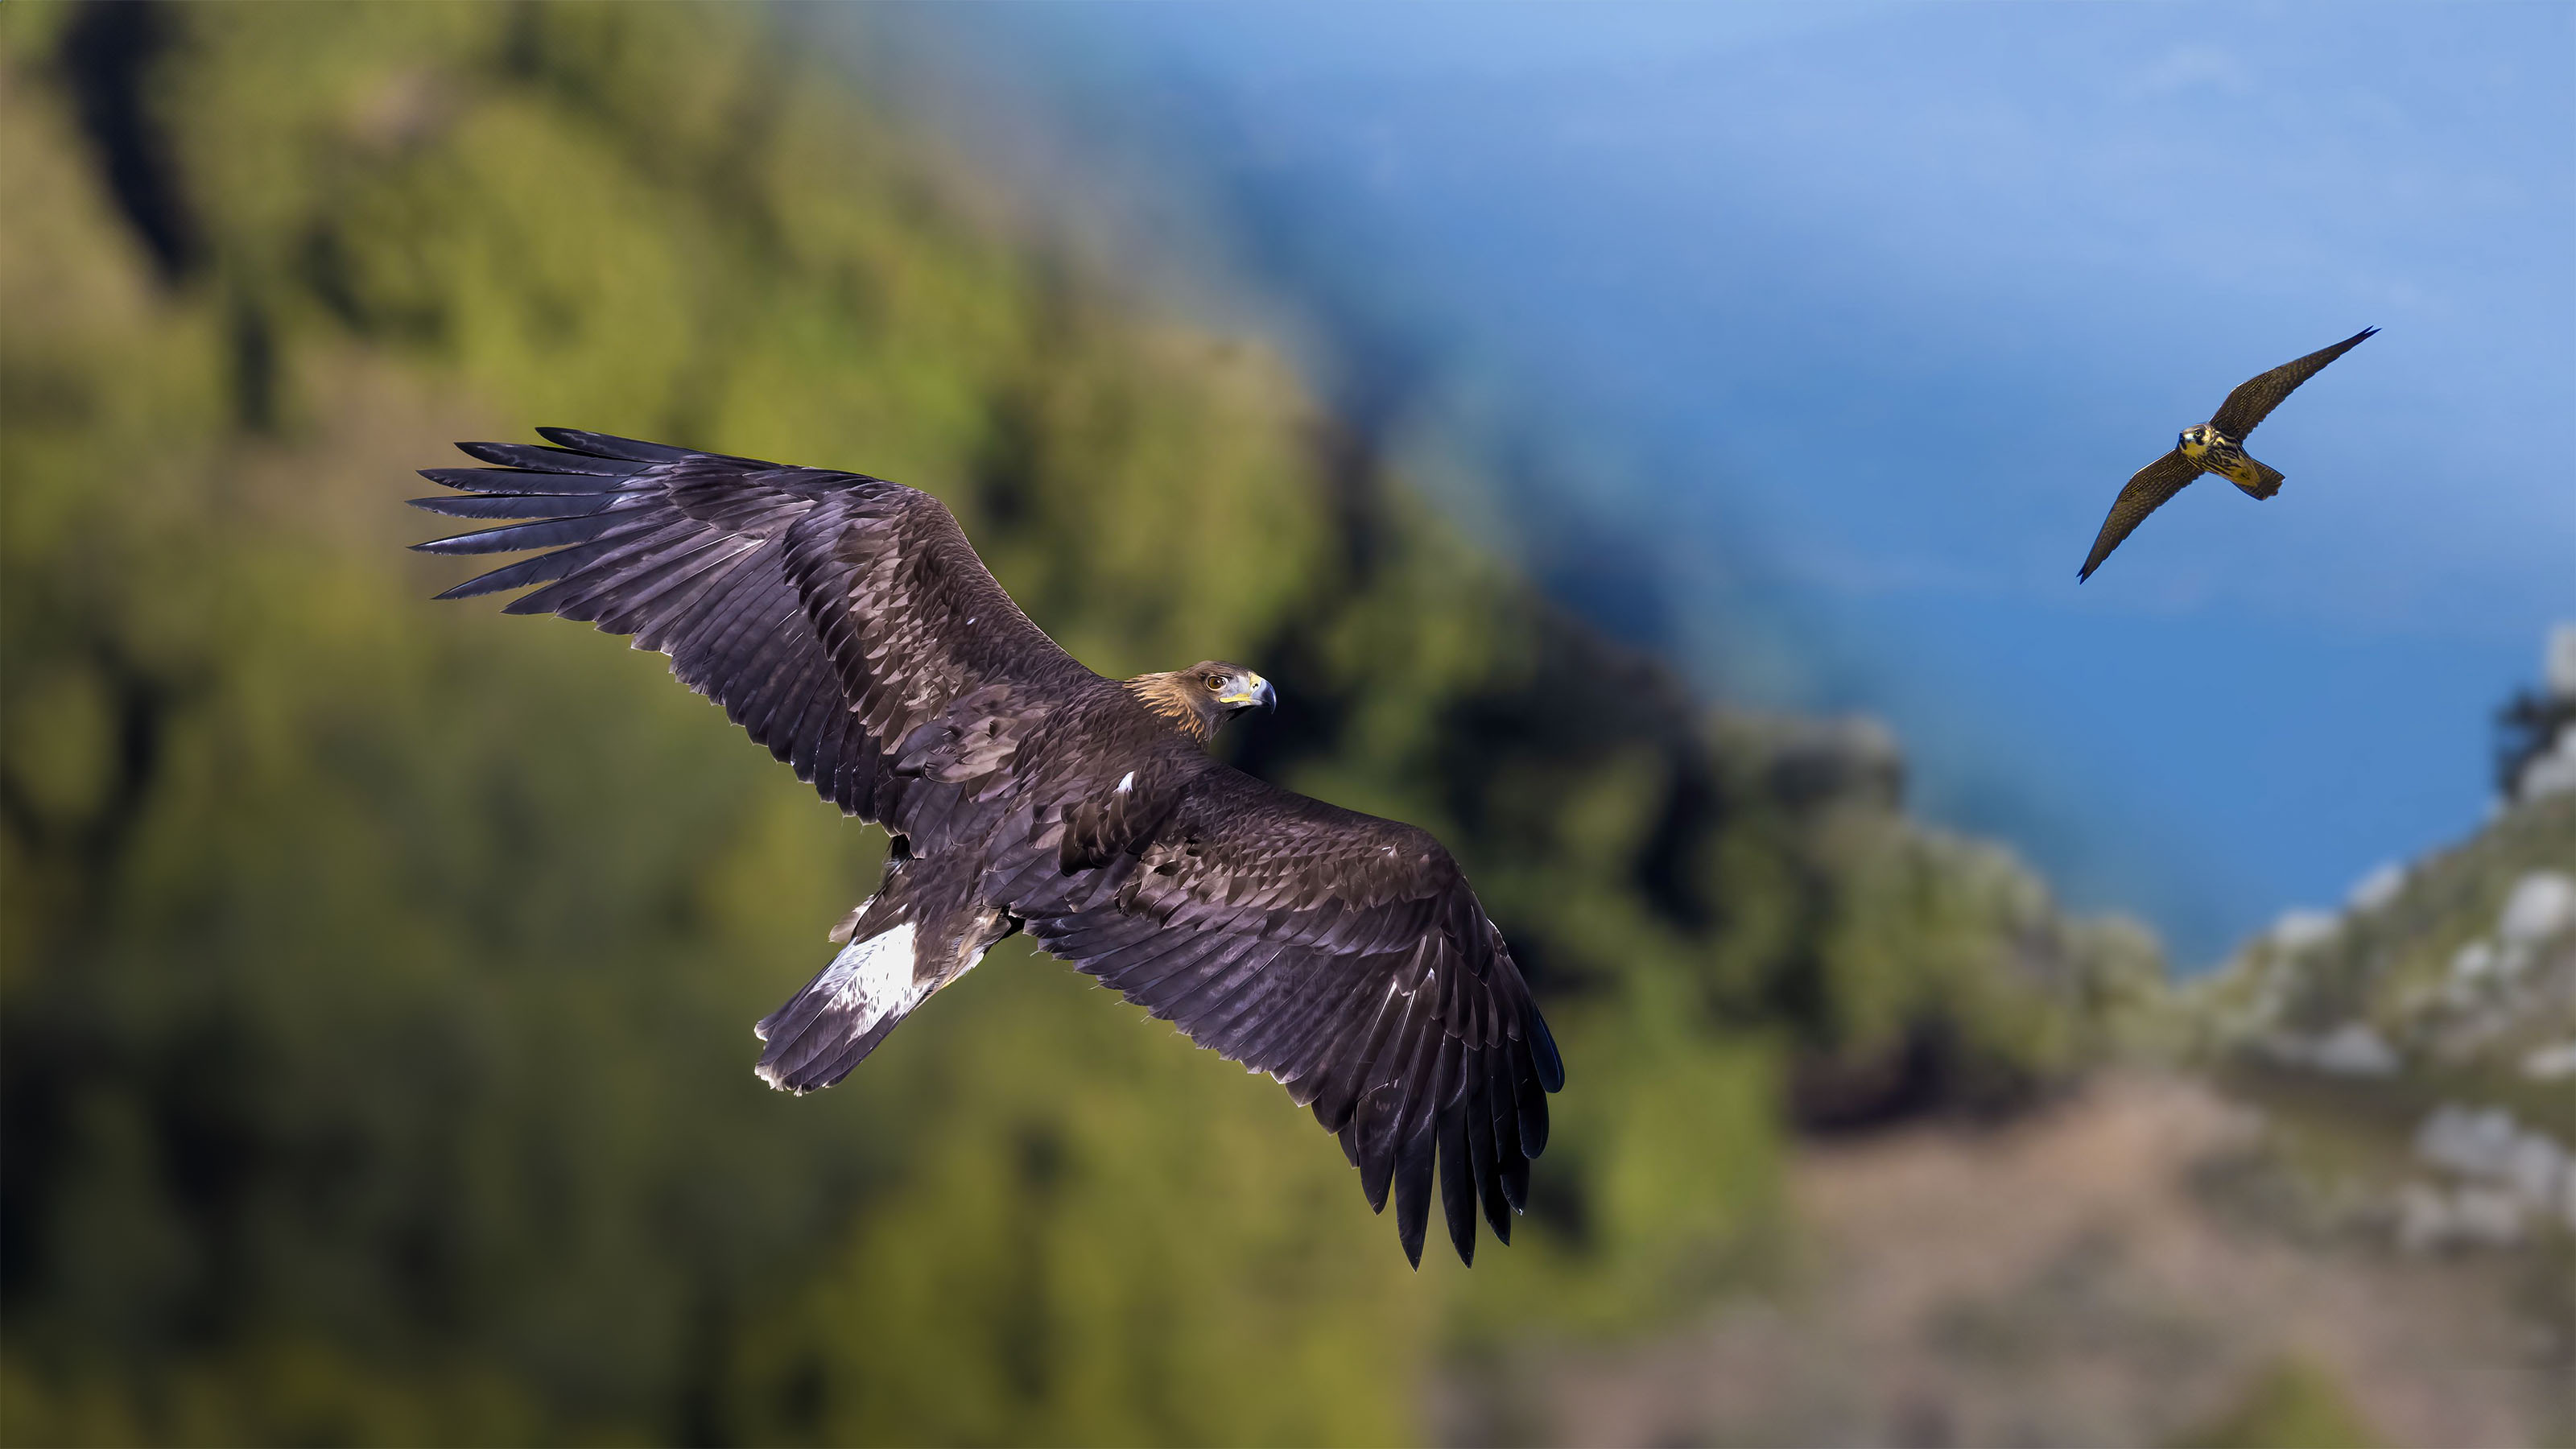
{"points": [[1995, 1011]]}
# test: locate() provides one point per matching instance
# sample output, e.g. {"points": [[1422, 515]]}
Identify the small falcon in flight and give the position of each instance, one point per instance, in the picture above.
{"points": [[844, 622], [2216, 446]]}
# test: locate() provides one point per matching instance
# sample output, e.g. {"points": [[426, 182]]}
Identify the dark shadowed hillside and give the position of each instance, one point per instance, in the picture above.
{"points": [[378, 973]]}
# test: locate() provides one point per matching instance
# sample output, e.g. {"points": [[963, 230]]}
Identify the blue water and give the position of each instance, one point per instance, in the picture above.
{"points": [[1809, 345]]}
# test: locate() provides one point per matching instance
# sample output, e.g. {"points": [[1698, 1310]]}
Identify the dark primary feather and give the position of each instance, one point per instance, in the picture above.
{"points": [[1345, 956], [2147, 490], [523, 505], [2254, 399]]}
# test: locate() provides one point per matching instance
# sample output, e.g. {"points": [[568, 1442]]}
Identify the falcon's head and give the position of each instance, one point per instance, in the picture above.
{"points": [[1207, 694]]}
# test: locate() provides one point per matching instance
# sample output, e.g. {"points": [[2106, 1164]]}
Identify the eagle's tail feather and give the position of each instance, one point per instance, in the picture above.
{"points": [[831, 1025]]}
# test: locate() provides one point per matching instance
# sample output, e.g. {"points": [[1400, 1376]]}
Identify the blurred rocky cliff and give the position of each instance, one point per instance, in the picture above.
{"points": [[2333, 1205], [2430, 1024]]}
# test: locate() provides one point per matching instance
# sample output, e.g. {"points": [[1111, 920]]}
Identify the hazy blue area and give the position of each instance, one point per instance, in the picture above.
{"points": [[1812, 345]]}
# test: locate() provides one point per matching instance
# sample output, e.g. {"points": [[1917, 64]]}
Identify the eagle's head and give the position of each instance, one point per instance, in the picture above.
{"points": [[1204, 696], [2196, 439]]}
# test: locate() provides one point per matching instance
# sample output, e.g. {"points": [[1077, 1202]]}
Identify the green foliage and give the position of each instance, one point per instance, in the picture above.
{"points": [[2292, 1405], [372, 1016]]}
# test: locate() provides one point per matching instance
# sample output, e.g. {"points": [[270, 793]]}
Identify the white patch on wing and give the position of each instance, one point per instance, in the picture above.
{"points": [[1127, 782], [874, 978]]}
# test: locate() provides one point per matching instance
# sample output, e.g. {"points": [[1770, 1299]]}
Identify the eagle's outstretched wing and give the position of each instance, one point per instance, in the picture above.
{"points": [[828, 613], [2255, 398], [1345, 956], [2147, 490]]}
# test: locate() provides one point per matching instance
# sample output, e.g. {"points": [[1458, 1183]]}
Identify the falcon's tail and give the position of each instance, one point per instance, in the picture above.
{"points": [[2267, 479], [831, 1025]]}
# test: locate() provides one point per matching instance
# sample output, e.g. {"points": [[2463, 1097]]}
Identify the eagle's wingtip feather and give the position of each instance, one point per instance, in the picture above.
{"points": [[1551, 1067]]}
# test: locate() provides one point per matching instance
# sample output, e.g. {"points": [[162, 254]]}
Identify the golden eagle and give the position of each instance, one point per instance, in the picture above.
{"points": [[845, 622]]}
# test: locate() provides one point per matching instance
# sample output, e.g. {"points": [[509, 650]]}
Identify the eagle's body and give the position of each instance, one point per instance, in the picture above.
{"points": [[846, 624], [2216, 446]]}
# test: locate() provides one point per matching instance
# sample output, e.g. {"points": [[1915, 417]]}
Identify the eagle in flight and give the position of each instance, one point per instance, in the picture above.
{"points": [[845, 623], [2216, 446]]}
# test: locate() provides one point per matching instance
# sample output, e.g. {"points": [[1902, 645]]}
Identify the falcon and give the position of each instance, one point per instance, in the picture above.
{"points": [[2216, 446], [844, 622]]}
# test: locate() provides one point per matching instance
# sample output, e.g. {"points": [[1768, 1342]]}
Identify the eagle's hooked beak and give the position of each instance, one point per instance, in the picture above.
{"points": [[1254, 690]]}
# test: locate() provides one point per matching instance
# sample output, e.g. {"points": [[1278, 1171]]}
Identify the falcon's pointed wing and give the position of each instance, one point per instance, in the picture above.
{"points": [[828, 613], [1345, 956], [2146, 492], [2254, 399]]}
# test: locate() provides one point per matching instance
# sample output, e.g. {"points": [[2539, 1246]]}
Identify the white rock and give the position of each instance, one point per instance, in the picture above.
{"points": [[2378, 888], [2467, 1141], [2549, 1063], [2543, 904], [2429, 1218], [2486, 1216], [2552, 773], [2558, 661], [2534, 1170], [2423, 1217], [2528, 1167], [2298, 931], [2474, 960], [2353, 1050]]}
